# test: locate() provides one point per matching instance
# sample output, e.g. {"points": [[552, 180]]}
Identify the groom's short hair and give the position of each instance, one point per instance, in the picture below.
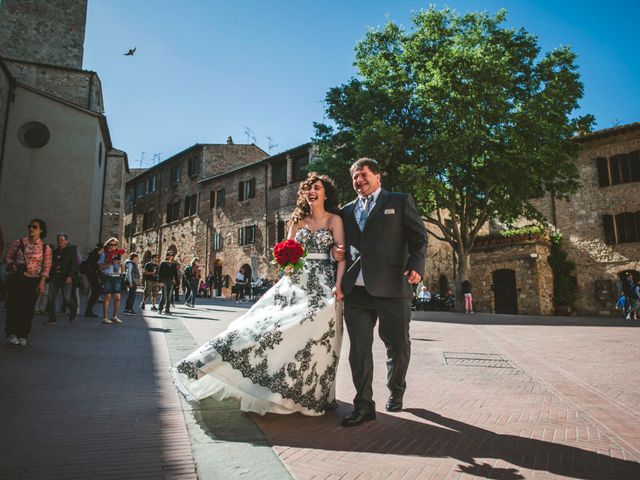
{"points": [[365, 162]]}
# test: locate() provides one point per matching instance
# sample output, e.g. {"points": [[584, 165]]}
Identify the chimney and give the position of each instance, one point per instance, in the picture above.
{"points": [[229, 140]]}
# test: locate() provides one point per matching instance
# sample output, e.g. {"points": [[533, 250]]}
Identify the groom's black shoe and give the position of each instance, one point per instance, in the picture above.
{"points": [[394, 404], [357, 417]]}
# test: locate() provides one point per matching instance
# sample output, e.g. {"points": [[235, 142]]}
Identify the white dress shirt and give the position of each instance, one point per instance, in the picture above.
{"points": [[357, 211]]}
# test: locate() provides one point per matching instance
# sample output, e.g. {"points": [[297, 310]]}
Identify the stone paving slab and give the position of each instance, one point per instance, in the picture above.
{"points": [[96, 401], [87, 400], [566, 409]]}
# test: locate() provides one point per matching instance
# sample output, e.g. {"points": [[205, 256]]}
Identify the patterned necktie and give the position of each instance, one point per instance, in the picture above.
{"points": [[364, 213]]}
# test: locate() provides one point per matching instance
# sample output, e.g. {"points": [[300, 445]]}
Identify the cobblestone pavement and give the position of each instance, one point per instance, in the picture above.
{"points": [[489, 396]]}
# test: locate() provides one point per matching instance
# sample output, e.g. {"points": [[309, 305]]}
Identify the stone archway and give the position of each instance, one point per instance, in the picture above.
{"points": [[247, 271], [505, 291]]}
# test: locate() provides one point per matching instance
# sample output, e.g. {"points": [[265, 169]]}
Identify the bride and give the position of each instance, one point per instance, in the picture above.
{"points": [[282, 355]]}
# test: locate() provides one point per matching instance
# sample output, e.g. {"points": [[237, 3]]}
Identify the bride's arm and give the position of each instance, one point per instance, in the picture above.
{"points": [[337, 228], [293, 228]]}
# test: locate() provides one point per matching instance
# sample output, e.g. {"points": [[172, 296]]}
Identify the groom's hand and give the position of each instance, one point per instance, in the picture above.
{"points": [[413, 277], [337, 252]]}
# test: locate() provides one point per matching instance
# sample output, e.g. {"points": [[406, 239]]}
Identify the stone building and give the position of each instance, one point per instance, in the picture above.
{"points": [[56, 153], [166, 207], [601, 222], [251, 206], [600, 225], [225, 204]]}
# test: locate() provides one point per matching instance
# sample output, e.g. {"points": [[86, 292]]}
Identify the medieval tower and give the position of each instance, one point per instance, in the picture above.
{"points": [[43, 31]]}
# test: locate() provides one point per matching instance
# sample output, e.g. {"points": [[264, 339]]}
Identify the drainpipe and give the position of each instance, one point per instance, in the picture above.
{"points": [[10, 99], [266, 218], [554, 218], [206, 248], [104, 184]]}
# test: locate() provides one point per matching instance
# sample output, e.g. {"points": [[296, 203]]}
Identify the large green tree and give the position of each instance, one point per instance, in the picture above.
{"points": [[465, 114]]}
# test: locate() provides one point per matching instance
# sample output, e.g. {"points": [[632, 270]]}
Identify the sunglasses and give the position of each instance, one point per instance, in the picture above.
{"points": [[33, 227]]}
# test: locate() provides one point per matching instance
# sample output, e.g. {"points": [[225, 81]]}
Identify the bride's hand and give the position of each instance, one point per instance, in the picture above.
{"points": [[337, 292], [288, 270]]}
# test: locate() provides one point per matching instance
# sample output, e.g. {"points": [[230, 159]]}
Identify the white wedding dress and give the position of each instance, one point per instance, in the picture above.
{"points": [[282, 355]]}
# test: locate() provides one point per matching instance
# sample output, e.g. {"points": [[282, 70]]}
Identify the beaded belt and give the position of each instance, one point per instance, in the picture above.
{"points": [[317, 256]]}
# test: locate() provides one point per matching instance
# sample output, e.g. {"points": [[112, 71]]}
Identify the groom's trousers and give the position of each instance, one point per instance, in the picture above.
{"points": [[361, 311]]}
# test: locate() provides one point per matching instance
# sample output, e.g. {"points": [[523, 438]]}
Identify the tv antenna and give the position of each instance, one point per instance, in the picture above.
{"points": [[271, 144], [249, 134], [141, 158], [157, 157]]}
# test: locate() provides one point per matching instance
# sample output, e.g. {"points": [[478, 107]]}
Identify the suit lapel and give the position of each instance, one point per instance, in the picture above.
{"points": [[349, 214]]}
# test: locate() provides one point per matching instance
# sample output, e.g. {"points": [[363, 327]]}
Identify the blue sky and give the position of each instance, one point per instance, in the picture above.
{"points": [[207, 69]]}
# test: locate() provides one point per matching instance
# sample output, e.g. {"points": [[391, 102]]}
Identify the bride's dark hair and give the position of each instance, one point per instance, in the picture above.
{"points": [[302, 209]]}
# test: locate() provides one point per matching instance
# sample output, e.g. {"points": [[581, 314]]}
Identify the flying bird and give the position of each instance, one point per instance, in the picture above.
{"points": [[130, 52]]}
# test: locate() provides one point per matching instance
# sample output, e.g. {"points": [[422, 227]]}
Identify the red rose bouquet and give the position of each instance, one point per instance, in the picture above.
{"points": [[289, 252], [115, 254]]}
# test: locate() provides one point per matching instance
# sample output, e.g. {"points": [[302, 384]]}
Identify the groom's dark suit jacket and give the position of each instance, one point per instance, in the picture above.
{"points": [[394, 240]]}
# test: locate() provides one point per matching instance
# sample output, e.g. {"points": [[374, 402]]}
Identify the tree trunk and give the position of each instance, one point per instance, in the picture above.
{"points": [[463, 273]]}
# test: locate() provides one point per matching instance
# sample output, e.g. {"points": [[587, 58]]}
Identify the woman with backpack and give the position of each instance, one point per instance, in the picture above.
{"points": [[29, 261]]}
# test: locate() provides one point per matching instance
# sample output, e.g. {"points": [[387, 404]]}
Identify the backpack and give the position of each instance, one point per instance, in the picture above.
{"points": [[84, 267], [88, 265], [188, 273]]}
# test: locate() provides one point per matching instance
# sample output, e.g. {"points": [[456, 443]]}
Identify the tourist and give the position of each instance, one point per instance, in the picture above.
{"points": [[132, 280], [468, 299], [210, 281], [241, 283], [424, 297], [192, 275], [151, 282], [634, 299], [89, 268], [110, 265], [168, 277], [29, 262], [62, 278]]}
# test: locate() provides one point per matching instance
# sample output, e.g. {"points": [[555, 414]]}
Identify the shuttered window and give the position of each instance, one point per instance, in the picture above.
{"points": [[279, 174], [246, 235], [603, 171], [627, 228], [622, 168], [609, 231]]}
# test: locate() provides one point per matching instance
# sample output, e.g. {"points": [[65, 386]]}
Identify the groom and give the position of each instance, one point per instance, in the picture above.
{"points": [[385, 253]]}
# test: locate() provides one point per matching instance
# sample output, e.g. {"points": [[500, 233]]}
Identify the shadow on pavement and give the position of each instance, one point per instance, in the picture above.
{"points": [[498, 319], [432, 435]]}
